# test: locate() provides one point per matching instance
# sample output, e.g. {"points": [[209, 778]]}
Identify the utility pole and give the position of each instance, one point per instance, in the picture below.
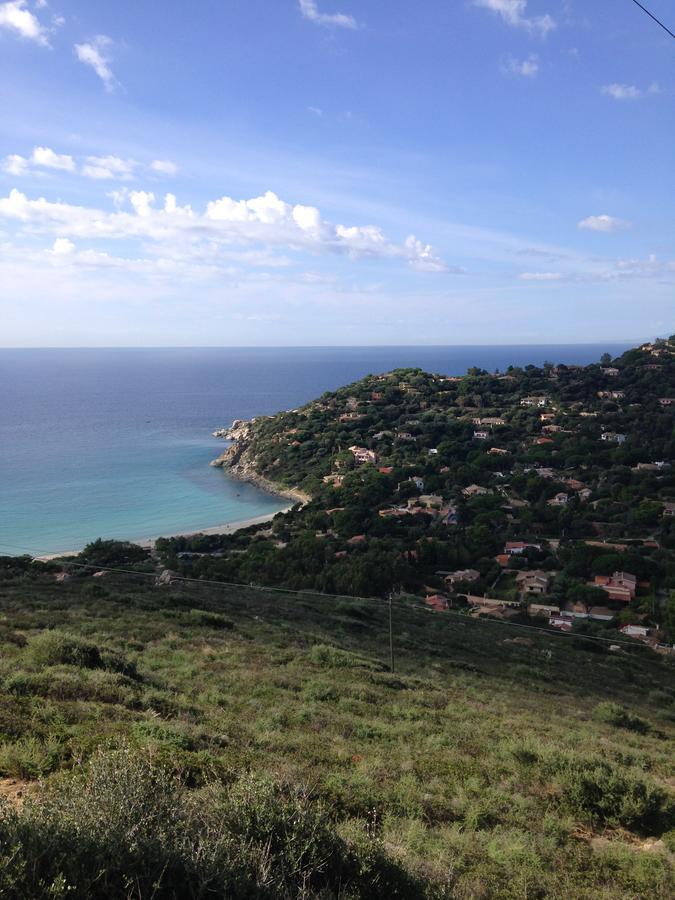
{"points": [[391, 633]]}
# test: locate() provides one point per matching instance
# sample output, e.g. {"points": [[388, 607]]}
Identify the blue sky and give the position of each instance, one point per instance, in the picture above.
{"points": [[290, 172]]}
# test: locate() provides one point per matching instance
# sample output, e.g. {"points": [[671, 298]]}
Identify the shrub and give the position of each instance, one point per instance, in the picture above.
{"points": [[607, 795], [53, 648], [614, 714], [125, 827], [329, 657]]}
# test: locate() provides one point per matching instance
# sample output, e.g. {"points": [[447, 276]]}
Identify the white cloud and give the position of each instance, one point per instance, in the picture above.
{"points": [[108, 167], [63, 247], [540, 276], [513, 12], [15, 17], [164, 167], [628, 91], [44, 156], [528, 68], [94, 54], [604, 223], [315, 111], [265, 221], [622, 91], [309, 11], [15, 165]]}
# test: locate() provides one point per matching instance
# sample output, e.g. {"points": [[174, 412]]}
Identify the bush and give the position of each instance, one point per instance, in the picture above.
{"points": [[606, 795], [125, 827], [329, 657], [614, 714], [53, 648]]}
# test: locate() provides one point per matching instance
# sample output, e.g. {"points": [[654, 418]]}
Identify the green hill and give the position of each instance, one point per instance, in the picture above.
{"points": [[194, 740]]}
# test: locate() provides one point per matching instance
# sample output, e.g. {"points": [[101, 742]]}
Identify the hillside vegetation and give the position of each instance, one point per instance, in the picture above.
{"points": [[189, 740], [457, 486]]}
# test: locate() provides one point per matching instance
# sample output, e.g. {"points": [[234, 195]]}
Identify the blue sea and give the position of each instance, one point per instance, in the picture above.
{"points": [[116, 443]]}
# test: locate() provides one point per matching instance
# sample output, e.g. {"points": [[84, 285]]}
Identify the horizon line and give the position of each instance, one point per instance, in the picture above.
{"points": [[614, 341]]}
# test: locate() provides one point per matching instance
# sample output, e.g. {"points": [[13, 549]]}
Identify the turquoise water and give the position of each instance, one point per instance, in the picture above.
{"points": [[117, 443]]}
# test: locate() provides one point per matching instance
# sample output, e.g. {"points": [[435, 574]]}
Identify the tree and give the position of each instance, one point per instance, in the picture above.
{"points": [[606, 359]]}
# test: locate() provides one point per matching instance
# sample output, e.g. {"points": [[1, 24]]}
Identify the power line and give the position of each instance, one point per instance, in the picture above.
{"points": [[414, 607], [652, 16]]}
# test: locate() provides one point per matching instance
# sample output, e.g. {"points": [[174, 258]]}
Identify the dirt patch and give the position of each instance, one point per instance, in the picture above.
{"points": [[15, 790]]}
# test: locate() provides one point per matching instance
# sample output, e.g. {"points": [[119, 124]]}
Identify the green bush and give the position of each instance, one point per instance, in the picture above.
{"points": [[125, 827], [614, 714], [607, 795], [53, 648]]}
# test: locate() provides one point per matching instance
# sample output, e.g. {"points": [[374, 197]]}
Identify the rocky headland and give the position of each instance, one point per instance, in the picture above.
{"points": [[240, 461]]}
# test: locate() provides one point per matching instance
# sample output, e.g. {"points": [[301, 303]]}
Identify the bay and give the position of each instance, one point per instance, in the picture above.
{"points": [[116, 443]]}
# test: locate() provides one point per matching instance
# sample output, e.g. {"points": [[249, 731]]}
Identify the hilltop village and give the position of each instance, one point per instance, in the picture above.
{"points": [[537, 493]]}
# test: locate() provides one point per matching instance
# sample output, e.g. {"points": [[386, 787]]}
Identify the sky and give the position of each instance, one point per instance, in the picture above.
{"points": [[335, 172]]}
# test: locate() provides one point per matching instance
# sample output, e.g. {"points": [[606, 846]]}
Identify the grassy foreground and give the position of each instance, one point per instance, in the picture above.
{"points": [[194, 741]]}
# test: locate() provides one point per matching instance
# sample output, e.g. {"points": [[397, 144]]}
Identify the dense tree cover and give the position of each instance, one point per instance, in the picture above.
{"points": [[530, 439]]}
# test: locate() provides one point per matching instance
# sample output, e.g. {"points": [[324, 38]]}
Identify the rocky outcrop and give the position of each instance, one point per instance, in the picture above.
{"points": [[240, 462]]}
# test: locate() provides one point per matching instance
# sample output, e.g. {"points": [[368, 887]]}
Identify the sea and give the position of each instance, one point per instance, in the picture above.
{"points": [[116, 443]]}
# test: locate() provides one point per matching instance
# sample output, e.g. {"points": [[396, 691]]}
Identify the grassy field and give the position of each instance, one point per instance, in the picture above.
{"points": [[268, 752]]}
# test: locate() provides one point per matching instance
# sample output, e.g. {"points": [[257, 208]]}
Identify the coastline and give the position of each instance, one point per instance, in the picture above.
{"points": [[149, 543]]}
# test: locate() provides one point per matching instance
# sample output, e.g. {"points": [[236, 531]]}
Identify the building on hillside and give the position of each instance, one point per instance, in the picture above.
{"points": [[532, 582], [534, 401], [667, 401], [475, 490], [515, 548], [610, 370], [562, 621], [363, 455], [613, 436], [335, 480], [669, 509], [560, 499], [481, 435], [449, 516], [620, 586], [437, 602], [468, 575], [542, 609], [637, 631]]}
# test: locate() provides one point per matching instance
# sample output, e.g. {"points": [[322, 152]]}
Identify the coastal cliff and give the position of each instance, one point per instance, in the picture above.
{"points": [[240, 460]]}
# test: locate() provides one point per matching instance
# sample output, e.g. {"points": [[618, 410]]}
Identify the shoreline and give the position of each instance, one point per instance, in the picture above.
{"points": [[149, 543]]}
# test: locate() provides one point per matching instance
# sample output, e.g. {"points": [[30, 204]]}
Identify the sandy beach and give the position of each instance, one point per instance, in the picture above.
{"points": [[149, 542]]}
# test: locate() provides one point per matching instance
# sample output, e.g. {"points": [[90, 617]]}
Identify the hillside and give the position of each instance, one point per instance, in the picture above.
{"points": [[550, 487], [201, 740]]}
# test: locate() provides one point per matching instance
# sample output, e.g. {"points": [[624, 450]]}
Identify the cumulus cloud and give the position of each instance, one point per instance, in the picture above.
{"points": [[514, 13], [15, 164], [528, 68], [45, 156], [604, 223], [310, 11], [95, 54], [63, 247], [164, 167], [41, 157], [266, 221], [99, 168], [15, 17], [108, 167]]}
